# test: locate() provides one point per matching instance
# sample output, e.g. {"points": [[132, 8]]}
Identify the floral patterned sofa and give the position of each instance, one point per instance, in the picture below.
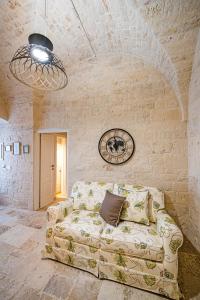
{"points": [[139, 255]]}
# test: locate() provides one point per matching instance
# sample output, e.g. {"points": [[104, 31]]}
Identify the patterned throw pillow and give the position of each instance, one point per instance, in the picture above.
{"points": [[156, 198], [135, 206]]}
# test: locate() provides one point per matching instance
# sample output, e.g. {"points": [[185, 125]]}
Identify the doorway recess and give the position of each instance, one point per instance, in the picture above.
{"points": [[53, 168]]}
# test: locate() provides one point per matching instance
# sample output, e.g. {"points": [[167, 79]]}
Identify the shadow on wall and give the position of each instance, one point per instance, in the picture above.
{"points": [[177, 205], [3, 112], [194, 212], [189, 258], [5, 94], [189, 271]]}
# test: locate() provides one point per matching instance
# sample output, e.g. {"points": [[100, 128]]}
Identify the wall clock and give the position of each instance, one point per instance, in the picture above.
{"points": [[116, 146]]}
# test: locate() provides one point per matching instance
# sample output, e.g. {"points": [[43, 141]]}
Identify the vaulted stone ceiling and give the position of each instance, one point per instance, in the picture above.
{"points": [[85, 33]]}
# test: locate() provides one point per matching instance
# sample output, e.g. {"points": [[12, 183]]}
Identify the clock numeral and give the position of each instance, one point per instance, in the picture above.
{"points": [[117, 159], [116, 133], [110, 134], [110, 157], [104, 140], [105, 153], [128, 153], [103, 148], [130, 145], [123, 154], [129, 140]]}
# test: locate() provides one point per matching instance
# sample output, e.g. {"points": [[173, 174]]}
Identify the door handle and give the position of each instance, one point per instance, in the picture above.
{"points": [[52, 167]]}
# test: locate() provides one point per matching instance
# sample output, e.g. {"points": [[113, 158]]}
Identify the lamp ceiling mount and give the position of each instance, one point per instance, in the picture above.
{"points": [[40, 40]]}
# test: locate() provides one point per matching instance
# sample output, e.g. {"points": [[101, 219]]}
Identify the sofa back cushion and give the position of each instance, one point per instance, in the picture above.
{"points": [[155, 201], [90, 195]]}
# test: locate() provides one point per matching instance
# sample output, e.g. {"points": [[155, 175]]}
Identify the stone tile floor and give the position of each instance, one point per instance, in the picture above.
{"points": [[24, 276]]}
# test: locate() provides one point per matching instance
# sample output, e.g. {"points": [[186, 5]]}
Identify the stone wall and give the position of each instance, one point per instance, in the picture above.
{"points": [[194, 150], [16, 171], [138, 99], [115, 93]]}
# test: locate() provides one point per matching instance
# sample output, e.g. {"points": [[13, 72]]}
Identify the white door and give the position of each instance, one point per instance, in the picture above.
{"points": [[47, 167], [61, 165], [59, 172]]}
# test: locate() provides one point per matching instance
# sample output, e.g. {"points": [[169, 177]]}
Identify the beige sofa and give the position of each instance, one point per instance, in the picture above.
{"points": [[143, 256]]}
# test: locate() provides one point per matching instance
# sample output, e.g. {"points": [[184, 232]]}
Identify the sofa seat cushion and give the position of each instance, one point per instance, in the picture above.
{"points": [[133, 239], [81, 226]]}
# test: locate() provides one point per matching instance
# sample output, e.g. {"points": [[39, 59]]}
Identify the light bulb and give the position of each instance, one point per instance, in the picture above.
{"points": [[40, 54]]}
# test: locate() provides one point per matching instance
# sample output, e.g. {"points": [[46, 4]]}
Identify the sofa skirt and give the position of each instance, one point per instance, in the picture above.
{"points": [[145, 281], [104, 270], [72, 259], [132, 263]]}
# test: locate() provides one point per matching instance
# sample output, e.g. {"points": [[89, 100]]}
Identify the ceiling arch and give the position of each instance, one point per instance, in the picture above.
{"points": [[82, 30], [117, 27]]}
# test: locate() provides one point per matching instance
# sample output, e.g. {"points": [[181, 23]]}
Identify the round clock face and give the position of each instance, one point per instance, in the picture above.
{"points": [[116, 146]]}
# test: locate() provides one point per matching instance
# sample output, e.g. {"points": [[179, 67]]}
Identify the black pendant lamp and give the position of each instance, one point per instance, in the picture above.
{"points": [[37, 66]]}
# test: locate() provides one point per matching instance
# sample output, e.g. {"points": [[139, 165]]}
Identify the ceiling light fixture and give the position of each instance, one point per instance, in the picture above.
{"points": [[37, 66], [40, 54]]}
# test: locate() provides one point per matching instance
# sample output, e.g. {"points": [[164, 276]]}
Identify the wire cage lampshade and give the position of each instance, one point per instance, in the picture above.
{"points": [[37, 66]]}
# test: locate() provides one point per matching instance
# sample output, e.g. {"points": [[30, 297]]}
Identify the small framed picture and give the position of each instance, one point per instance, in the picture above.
{"points": [[25, 149], [8, 148], [1, 151], [17, 148]]}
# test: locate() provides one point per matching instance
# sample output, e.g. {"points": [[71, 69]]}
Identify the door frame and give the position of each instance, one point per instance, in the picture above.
{"points": [[36, 162]]}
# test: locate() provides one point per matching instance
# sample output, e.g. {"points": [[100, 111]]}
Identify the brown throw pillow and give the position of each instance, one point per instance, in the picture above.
{"points": [[111, 208]]}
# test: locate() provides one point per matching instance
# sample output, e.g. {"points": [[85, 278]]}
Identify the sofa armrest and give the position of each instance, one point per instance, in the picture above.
{"points": [[172, 240], [58, 212]]}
